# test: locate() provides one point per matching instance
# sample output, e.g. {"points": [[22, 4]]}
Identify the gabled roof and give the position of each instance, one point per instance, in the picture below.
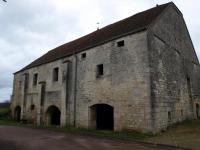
{"points": [[135, 23]]}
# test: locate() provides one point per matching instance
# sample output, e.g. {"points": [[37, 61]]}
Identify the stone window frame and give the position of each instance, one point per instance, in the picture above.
{"points": [[55, 76], [169, 116], [32, 107], [35, 79], [99, 70], [181, 112], [83, 56], [121, 43]]}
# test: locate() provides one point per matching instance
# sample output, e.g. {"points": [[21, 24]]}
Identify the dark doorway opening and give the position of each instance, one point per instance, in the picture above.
{"points": [[102, 117], [17, 113], [53, 115], [197, 110]]}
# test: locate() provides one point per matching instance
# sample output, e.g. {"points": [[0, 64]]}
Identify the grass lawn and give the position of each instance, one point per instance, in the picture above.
{"points": [[9, 122], [186, 134]]}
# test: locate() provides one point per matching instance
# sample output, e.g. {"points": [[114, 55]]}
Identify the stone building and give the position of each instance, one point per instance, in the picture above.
{"points": [[141, 73]]}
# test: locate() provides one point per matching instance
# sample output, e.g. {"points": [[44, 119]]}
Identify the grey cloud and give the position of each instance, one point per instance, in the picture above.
{"points": [[6, 93]]}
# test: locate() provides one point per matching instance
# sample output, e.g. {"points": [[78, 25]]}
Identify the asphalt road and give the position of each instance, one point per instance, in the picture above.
{"points": [[18, 138]]}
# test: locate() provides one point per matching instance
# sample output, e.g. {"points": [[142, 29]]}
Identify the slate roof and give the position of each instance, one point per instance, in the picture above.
{"points": [[135, 23]]}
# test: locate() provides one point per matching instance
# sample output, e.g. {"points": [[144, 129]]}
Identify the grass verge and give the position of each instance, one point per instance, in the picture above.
{"points": [[185, 134], [123, 135], [4, 121]]}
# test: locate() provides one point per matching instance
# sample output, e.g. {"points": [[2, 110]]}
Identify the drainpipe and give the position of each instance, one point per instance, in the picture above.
{"points": [[25, 88], [75, 88], [67, 76], [42, 100]]}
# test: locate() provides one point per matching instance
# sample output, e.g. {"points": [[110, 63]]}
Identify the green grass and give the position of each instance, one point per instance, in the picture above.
{"points": [[4, 121], [124, 135], [185, 134]]}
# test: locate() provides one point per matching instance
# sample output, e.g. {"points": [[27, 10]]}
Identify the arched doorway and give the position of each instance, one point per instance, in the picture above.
{"points": [[101, 117], [17, 113], [197, 111], [53, 116]]}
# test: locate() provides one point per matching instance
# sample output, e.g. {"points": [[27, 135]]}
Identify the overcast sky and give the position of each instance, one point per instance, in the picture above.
{"points": [[29, 28]]}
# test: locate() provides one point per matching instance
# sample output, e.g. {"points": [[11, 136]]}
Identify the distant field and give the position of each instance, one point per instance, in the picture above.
{"points": [[186, 134], [4, 110], [4, 105]]}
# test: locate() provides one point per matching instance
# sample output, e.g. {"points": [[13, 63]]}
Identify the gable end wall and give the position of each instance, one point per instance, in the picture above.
{"points": [[172, 61]]}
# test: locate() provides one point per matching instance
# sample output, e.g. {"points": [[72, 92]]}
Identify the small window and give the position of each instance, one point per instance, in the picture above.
{"points": [[35, 79], [181, 112], [169, 116], [99, 70], [83, 56], [32, 107], [120, 43], [55, 74]]}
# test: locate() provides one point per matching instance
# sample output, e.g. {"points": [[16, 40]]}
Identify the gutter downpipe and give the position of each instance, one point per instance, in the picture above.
{"points": [[75, 88]]}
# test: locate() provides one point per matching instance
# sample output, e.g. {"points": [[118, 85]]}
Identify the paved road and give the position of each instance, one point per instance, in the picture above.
{"points": [[17, 138]]}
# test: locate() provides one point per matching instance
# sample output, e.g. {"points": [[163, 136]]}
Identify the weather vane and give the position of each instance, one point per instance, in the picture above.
{"points": [[98, 25]]}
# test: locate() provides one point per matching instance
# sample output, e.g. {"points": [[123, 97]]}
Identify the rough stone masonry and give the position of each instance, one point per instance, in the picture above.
{"points": [[141, 73]]}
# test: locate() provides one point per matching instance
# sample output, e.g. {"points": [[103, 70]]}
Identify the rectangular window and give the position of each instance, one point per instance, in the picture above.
{"points": [[83, 56], [35, 79], [120, 43], [55, 74], [32, 107], [181, 112], [169, 116], [99, 70]]}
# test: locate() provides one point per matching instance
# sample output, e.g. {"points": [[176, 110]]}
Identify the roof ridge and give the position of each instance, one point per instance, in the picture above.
{"points": [[115, 23], [120, 28]]}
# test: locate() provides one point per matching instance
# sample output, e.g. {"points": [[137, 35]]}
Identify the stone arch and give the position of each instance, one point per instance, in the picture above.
{"points": [[101, 117], [53, 115], [17, 113]]}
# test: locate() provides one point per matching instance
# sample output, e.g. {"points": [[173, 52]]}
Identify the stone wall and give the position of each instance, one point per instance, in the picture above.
{"points": [[174, 69], [124, 84]]}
